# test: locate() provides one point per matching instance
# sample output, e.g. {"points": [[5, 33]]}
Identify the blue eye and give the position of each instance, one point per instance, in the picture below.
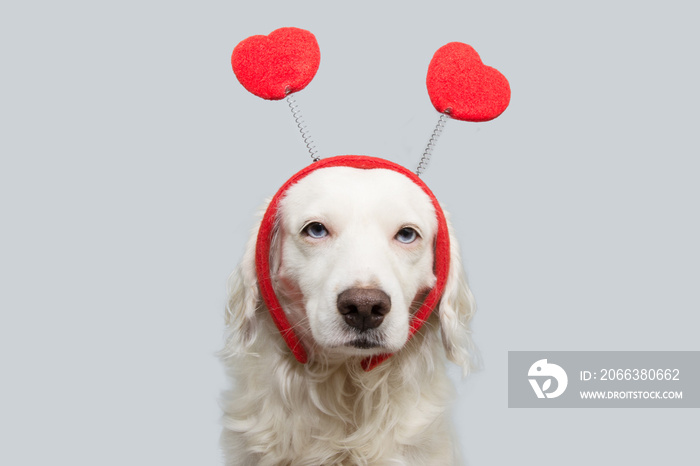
{"points": [[406, 235], [315, 230]]}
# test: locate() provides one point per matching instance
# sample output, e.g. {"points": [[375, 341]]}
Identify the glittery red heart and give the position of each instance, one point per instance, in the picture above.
{"points": [[461, 85], [278, 64]]}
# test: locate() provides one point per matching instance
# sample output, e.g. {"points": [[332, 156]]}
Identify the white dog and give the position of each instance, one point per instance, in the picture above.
{"points": [[351, 261]]}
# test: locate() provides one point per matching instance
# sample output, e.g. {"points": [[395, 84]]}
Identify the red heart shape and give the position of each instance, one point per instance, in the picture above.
{"points": [[462, 86], [278, 64]]}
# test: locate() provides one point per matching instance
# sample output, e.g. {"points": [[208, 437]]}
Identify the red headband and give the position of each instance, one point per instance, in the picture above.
{"points": [[262, 252], [285, 61]]}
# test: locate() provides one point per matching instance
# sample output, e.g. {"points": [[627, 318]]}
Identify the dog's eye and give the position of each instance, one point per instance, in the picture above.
{"points": [[406, 235], [315, 230]]}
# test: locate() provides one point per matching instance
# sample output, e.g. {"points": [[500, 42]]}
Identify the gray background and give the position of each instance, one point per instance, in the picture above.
{"points": [[133, 162]]}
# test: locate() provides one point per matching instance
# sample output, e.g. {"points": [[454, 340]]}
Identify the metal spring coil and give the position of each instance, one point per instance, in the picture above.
{"points": [[428, 153], [299, 120]]}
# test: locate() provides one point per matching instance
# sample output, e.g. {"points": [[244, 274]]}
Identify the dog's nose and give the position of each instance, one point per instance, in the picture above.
{"points": [[364, 308]]}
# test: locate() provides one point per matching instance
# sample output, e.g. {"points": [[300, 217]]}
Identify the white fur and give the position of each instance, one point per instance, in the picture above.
{"points": [[330, 411]]}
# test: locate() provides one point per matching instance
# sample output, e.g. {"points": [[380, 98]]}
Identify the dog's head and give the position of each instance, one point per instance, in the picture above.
{"points": [[355, 252], [351, 260]]}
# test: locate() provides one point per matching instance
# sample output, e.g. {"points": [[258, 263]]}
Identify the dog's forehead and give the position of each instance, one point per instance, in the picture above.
{"points": [[348, 192]]}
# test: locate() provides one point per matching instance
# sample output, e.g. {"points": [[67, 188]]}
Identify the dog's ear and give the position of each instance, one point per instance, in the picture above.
{"points": [[456, 310], [244, 300]]}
